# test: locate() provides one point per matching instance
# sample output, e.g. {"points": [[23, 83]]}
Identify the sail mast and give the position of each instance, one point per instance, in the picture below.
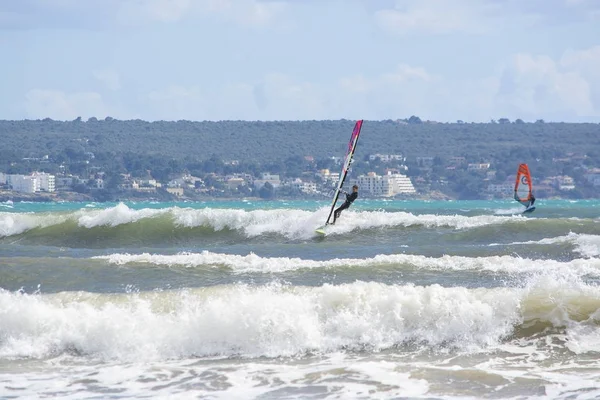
{"points": [[347, 161]]}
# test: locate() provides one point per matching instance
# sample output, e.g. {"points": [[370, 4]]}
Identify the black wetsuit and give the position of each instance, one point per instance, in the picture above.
{"points": [[349, 199]]}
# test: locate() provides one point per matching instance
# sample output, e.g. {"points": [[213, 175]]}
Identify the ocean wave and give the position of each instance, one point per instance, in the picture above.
{"points": [[291, 223], [279, 320], [584, 244], [256, 264]]}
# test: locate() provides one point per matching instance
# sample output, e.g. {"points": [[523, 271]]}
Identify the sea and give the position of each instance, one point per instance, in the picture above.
{"points": [[243, 300]]}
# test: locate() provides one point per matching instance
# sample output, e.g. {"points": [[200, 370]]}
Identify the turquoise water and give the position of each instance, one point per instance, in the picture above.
{"points": [[242, 299], [365, 204]]}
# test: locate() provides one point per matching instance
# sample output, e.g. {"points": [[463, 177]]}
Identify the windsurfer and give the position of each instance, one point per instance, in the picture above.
{"points": [[350, 197]]}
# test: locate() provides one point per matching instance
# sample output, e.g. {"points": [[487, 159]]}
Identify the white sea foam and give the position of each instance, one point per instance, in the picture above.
{"points": [[584, 244], [117, 215], [17, 223], [255, 263], [147, 341], [276, 320], [335, 376], [291, 223], [265, 321]]}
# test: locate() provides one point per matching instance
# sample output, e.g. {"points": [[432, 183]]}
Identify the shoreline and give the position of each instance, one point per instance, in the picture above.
{"points": [[57, 197]]}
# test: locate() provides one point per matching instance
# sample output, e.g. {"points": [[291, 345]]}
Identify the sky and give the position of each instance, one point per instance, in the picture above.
{"points": [[441, 60]]}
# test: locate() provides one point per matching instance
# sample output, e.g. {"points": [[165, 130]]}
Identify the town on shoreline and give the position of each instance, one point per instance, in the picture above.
{"points": [[112, 160]]}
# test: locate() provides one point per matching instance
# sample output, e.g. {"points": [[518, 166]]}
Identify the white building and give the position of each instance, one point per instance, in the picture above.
{"points": [[233, 182], [23, 183], [478, 166], [37, 181], [267, 177], [304, 187], [385, 185], [327, 176], [507, 188], [387, 157], [565, 183], [99, 183], [186, 181], [593, 176], [46, 182]]}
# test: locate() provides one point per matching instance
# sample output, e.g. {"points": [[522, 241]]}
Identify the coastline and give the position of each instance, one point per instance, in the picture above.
{"points": [[65, 196], [10, 195]]}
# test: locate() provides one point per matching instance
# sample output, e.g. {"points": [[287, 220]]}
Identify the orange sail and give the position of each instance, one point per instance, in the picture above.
{"points": [[523, 186]]}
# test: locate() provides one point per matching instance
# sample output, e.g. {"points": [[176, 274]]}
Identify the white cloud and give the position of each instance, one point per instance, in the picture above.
{"points": [[405, 73], [437, 17], [539, 87], [440, 17], [528, 86], [176, 102], [133, 12], [279, 96], [61, 14], [425, 17], [247, 12], [55, 104], [109, 77]]}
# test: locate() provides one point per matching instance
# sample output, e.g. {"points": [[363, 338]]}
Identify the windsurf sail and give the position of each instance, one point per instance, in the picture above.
{"points": [[347, 161], [523, 186]]}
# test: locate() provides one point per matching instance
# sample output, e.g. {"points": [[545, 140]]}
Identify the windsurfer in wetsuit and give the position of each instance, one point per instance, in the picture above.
{"points": [[531, 201], [350, 197]]}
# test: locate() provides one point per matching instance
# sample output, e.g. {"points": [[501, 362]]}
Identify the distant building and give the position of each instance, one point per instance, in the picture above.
{"points": [[457, 160], [593, 176], [234, 181], [302, 186], [47, 182], [267, 177], [385, 185], [565, 183], [326, 175], [33, 183], [186, 181], [65, 183], [23, 183], [425, 162], [98, 183], [506, 188], [478, 166], [177, 191], [387, 157], [145, 185]]}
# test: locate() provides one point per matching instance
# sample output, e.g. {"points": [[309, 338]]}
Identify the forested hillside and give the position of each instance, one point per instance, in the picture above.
{"points": [[267, 141]]}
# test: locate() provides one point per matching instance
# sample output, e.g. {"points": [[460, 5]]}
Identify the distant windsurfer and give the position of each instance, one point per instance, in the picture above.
{"points": [[527, 203], [350, 197]]}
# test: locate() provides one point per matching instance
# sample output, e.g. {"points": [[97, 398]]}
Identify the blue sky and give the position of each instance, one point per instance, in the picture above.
{"points": [[442, 60]]}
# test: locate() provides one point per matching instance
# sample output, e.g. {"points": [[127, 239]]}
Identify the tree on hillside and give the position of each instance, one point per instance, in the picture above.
{"points": [[414, 120], [267, 191]]}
